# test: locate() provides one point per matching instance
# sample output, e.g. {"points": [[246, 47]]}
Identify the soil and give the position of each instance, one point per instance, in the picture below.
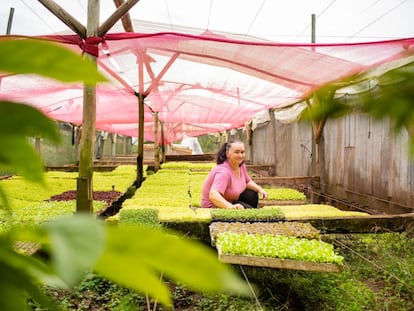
{"points": [[113, 199], [107, 196]]}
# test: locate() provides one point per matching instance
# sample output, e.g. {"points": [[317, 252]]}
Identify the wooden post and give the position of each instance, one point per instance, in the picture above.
{"points": [[84, 199], [274, 131], [77, 137], [38, 145], [156, 144], [163, 157], [140, 157], [313, 144], [141, 120], [10, 21], [114, 137]]}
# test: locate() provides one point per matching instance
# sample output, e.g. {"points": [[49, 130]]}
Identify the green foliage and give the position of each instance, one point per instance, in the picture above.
{"points": [[18, 155], [395, 100], [47, 59], [119, 179], [147, 216], [277, 246], [384, 261], [314, 211], [163, 252], [295, 229], [251, 214], [209, 143], [308, 291], [285, 194], [175, 191], [183, 165], [325, 106]]}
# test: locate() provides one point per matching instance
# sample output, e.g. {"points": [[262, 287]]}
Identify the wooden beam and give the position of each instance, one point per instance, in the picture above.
{"points": [[65, 17], [124, 8], [156, 144], [366, 224], [84, 200], [126, 19], [276, 263]]}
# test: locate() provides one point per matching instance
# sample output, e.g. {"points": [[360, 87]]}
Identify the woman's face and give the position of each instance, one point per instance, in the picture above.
{"points": [[235, 154]]}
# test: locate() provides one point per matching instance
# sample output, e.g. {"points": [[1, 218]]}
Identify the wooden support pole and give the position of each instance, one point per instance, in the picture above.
{"points": [[10, 21], [140, 157], [121, 11], [84, 200], [156, 144], [126, 19], [163, 157], [141, 120]]}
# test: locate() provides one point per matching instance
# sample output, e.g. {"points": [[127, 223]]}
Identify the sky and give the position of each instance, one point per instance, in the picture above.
{"points": [[275, 20]]}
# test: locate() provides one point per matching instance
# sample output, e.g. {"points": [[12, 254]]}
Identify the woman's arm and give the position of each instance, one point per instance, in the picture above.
{"points": [[255, 187], [219, 201]]}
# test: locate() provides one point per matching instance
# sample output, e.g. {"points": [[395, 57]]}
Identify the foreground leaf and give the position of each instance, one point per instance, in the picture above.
{"points": [[18, 156], [47, 59], [134, 249], [21, 276], [24, 120], [75, 244]]}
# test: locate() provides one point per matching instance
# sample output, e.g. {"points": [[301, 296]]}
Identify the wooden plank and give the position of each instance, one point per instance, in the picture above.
{"points": [[288, 181], [277, 263], [28, 248], [280, 202], [366, 224]]}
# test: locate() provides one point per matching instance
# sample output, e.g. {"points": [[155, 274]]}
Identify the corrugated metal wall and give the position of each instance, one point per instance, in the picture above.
{"points": [[286, 146], [366, 161]]}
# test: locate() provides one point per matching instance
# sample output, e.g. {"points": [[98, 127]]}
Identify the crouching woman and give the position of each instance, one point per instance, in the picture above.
{"points": [[228, 184]]}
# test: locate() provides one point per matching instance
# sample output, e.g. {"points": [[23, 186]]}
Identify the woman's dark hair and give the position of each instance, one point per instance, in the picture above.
{"points": [[221, 154]]}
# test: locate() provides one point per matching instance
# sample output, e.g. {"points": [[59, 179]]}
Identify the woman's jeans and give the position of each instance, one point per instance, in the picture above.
{"points": [[248, 198]]}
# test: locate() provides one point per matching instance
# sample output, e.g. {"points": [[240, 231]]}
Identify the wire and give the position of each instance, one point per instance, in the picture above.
{"points": [[317, 16], [35, 13], [169, 15], [376, 19], [255, 17], [209, 15], [373, 263], [83, 7]]}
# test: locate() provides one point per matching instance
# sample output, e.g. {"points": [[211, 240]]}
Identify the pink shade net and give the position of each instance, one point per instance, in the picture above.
{"points": [[197, 84]]}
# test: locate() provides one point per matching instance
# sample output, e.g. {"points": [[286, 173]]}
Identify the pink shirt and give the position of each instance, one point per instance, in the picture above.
{"points": [[223, 179]]}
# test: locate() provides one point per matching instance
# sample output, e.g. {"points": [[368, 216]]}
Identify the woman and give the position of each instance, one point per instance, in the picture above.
{"points": [[228, 185]]}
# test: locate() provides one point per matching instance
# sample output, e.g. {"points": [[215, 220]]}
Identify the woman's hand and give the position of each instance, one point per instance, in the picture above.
{"points": [[236, 206], [263, 193], [253, 186]]}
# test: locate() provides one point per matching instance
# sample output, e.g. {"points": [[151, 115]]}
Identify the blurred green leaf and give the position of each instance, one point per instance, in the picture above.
{"points": [[24, 120], [140, 248], [18, 281], [75, 245], [325, 106], [331, 109], [19, 287], [395, 100], [19, 156], [47, 59]]}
